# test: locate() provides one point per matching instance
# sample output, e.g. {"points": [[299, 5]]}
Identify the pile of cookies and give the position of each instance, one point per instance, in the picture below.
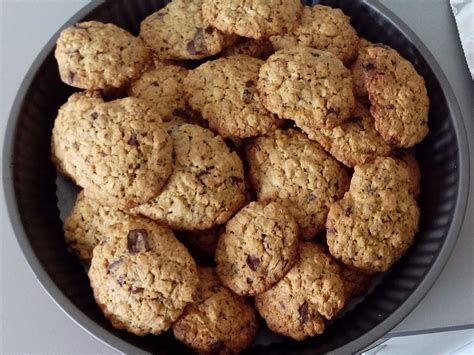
{"points": [[237, 157]]}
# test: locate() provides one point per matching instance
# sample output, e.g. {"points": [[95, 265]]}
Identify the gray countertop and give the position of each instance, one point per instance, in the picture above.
{"points": [[30, 322]]}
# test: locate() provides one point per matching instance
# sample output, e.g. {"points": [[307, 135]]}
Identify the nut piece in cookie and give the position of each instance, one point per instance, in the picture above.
{"points": [[311, 291], [118, 151], [398, 96], [139, 287], [257, 48], [162, 85], [179, 31], [225, 92], [219, 322], [253, 19], [95, 55], [258, 248], [206, 187], [355, 141], [324, 28], [376, 221], [87, 224], [307, 85], [288, 168]]}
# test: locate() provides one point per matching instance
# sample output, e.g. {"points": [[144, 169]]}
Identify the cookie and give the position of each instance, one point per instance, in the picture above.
{"points": [[357, 71], [414, 173], [95, 55], [162, 85], [219, 322], [308, 86], [289, 168], [206, 187], [376, 221], [179, 31], [323, 28], [118, 151], [142, 277], [258, 248], [87, 224], [311, 291], [355, 141], [253, 19], [257, 48], [398, 96], [356, 283], [225, 92]]}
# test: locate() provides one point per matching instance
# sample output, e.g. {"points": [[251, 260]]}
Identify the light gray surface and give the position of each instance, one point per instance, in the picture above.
{"points": [[31, 322]]}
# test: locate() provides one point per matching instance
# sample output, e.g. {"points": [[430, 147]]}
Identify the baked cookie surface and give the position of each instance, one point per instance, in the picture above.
{"points": [[87, 224], [225, 93], [206, 187], [357, 71], [355, 141], [142, 277], [311, 291], [307, 85], [179, 31], [324, 28], [398, 96], [258, 248], [288, 168], [95, 55], [376, 221], [162, 85], [219, 322], [118, 151], [253, 19]]}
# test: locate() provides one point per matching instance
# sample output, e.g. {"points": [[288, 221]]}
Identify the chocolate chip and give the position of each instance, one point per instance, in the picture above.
{"points": [[94, 115], [392, 141], [390, 107], [315, 55], [209, 30], [348, 211], [368, 66], [76, 146], [247, 96], [249, 281], [253, 262], [136, 290], [311, 197], [114, 264], [70, 78], [332, 230], [303, 311], [133, 140], [137, 241], [393, 61], [121, 280], [206, 171], [249, 83], [197, 46]]}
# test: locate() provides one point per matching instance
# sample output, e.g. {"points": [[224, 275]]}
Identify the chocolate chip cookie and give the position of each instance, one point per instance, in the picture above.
{"points": [[376, 221], [253, 19], [219, 322], [258, 248], [306, 85], [95, 55], [398, 96], [355, 141], [142, 277], [225, 92], [179, 31], [118, 151], [324, 28], [311, 291], [289, 168], [206, 187]]}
